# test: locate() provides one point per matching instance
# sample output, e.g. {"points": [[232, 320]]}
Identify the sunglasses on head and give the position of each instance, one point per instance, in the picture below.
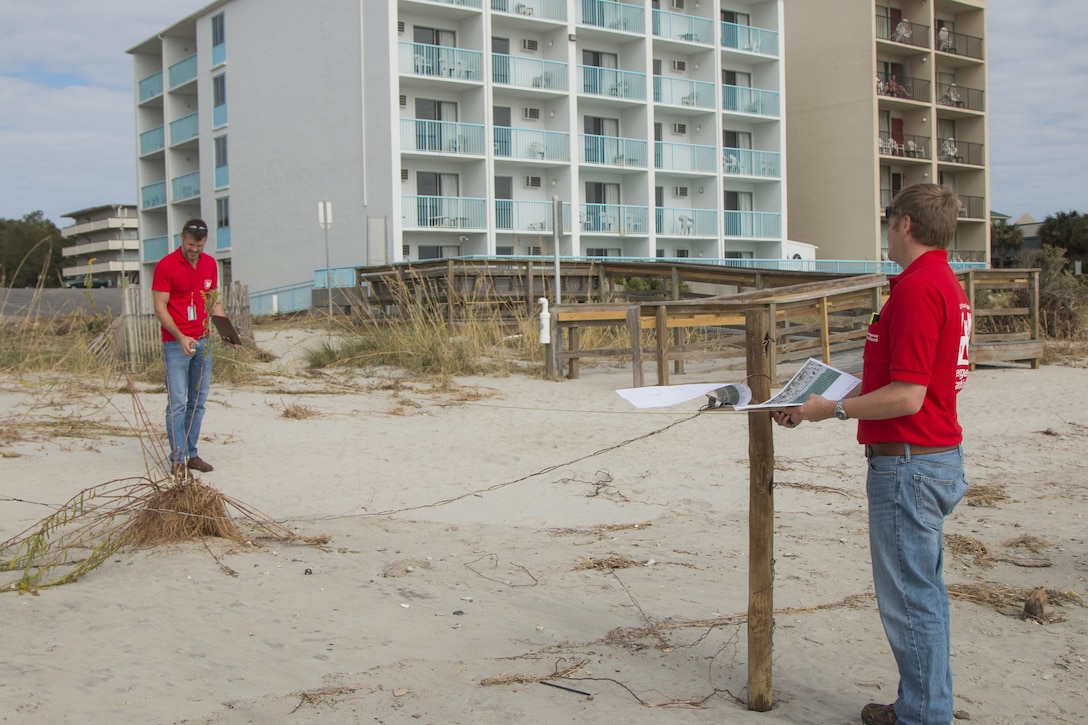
{"points": [[197, 231]]}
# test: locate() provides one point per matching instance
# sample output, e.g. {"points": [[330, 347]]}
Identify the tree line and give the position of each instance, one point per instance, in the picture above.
{"points": [[30, 252]]}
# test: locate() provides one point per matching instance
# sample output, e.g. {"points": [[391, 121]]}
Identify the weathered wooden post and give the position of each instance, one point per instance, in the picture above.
{"points": [[760, 361]]}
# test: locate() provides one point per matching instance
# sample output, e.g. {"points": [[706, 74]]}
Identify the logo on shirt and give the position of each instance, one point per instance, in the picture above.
{"points": [[207, 284]]}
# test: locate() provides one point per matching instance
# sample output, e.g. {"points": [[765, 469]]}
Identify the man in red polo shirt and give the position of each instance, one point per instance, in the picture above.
{"points": [[915, 363], [180, 289]]}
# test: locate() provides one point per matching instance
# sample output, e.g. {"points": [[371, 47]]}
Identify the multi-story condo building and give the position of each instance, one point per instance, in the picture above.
{"points": [[883, 95], [104, 245], [448, 127]]}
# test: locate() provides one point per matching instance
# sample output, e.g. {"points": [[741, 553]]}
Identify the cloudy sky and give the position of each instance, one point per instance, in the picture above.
{"points": [[67, 129]]}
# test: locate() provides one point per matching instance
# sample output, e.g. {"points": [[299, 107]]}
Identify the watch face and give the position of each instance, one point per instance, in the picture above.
{"points": [[840, 411]]}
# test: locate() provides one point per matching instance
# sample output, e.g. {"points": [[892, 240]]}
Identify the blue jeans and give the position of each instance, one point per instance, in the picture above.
{"points": [[909, 497], [188, 378]]}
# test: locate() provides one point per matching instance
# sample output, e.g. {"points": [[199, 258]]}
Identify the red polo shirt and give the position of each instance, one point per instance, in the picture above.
{"points": [[922, 336], [187, 286]]}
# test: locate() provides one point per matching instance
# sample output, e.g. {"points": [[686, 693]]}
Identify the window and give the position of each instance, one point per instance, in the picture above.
{"points": [[219, 29], [222, 173], [434, 36], [222, 212], [600, 75], [431, 133], [219, 101]]}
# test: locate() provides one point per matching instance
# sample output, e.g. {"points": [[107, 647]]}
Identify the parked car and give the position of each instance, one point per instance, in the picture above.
{"points": [[81, 283]]}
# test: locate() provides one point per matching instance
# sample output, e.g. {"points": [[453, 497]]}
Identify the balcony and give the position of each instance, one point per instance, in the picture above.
{"points": [[528, 216], [150, 87], [679, 26], [962, 152], [613, 83], [222, 177], [682, 92], [184, 129], [750, 39], [186, 186], [219, 54], [461, 3], [684, 157], [441, 136], [614, 219], [903, 144], [524, 143], [543, 9], [222, 238], [182, 72], [753, 224], [152, 140], [960, 97], [514, 70], [439, 61], [443, 212], [614, 151], [680, 222], [958, 44], [154, 249], [904, 32], [972, 207], [153, 195], [614, 16], [910, 89], [219, 115], [741, 99], [750, 162]]}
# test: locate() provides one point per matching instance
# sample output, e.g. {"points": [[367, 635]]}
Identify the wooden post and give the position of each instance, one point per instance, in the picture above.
{"points": [[634, 327], [572, 347], [677, 339], [1033, 301], [825, 332], [661, 317], [761, 512]]}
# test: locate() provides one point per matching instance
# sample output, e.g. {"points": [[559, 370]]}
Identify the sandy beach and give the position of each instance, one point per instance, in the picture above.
{"points": [[494, 535]]}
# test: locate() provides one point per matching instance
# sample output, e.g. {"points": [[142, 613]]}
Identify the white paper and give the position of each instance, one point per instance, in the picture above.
{"points": [[660, 396]]}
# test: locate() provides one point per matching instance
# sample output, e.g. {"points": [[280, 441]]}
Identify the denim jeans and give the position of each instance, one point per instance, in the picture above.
{"points": [[909, 497], [188, 378]]}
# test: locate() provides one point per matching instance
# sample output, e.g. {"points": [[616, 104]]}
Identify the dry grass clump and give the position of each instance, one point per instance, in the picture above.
{"points": [[964, 546], [608, 563], [985, 495], [1009, 600], [187, 510], [294, 411], [53, 343]]}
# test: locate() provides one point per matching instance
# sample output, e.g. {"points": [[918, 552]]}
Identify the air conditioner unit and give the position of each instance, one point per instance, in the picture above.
{"points": [[530, 114], [680, 65], [680, 191], [403, 101], [532, 182], [529, 44], [404, 174], [680, 128], [400, 26], [677, 4]]}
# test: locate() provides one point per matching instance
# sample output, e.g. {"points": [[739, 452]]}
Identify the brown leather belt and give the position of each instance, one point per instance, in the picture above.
{"points": [[874, 450]]}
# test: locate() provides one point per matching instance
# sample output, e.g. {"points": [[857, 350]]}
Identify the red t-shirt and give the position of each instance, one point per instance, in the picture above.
{"points": [[922, 336], [188, 288]]}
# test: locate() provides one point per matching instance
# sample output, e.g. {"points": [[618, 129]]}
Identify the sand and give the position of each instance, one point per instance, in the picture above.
{"points": [[503, 531]]}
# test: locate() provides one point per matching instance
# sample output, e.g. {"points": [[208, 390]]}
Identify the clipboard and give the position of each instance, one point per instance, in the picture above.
{"points": [[226, 329]]}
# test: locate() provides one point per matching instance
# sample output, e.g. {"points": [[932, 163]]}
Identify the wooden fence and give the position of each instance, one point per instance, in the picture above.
{"points": [[135, 338]]}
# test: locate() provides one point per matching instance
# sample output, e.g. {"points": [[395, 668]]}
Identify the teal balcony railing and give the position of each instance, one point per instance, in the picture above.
{"points": [[183, 71], [684, 157], [614, 15], [750, 162], [150, 87], [184, 128], [443, 212], [154, 249], [219, 54], [152, 140], [614, 219], [682, 92], [443, 136], [219, 115], [514, 70], [546, 9], [153, 195], [440, 61], [751, 39], [683, 27], [222, 238], [742, 99], [461, 3], [677, 221], [222, 177], [524, 143], [613, 150], [613, 82], [528, 216], [753, 224], [185, 186]]}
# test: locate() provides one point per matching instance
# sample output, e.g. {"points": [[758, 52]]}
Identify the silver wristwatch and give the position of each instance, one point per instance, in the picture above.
{"points": [[840, 411]]}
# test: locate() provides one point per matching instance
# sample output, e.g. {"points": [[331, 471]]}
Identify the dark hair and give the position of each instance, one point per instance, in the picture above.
{"points": [[933, 211], [195, 227]]}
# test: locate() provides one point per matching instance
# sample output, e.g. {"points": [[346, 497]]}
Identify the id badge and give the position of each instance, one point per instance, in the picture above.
{"points": [[191, 313]]}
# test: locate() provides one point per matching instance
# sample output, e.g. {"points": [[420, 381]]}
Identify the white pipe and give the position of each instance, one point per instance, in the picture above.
{"points": [[545, 322]]}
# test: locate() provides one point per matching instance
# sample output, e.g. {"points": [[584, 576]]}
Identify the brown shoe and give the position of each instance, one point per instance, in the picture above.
{"points": [[199, 464], [877, 714]]}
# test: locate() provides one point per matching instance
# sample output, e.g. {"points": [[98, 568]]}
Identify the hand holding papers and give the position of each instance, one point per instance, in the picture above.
{"points": [[814, 377]]}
